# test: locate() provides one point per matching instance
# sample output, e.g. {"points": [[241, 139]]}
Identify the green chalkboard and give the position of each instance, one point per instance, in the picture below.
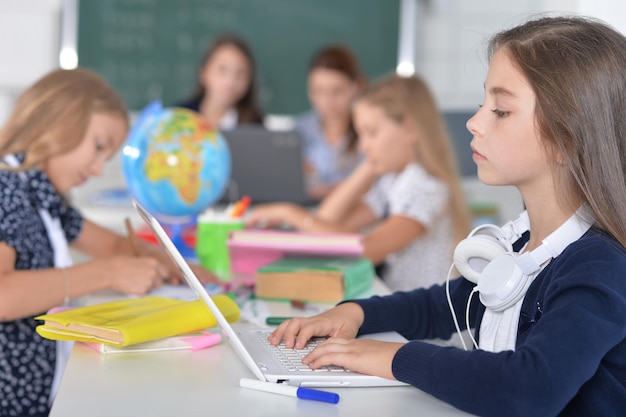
{"points": [[151, 49]]}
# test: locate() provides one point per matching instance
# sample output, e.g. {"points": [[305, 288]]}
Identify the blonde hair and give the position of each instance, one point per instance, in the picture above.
{"points": [[51, 117], [403, 98]]}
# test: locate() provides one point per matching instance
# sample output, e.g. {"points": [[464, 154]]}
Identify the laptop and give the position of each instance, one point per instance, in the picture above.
{"points": [[250, 342], [265, 165]]}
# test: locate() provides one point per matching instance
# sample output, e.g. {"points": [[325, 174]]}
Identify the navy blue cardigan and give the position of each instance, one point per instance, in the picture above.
{"points": [[570, 354]]}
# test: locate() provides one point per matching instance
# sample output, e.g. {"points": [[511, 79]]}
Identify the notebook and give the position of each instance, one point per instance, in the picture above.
{"points": [[250, 342], [265, 165]]}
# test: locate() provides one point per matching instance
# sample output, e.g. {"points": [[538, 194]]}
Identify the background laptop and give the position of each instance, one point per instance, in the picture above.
{"points": [[266, 165], [250, 344]]}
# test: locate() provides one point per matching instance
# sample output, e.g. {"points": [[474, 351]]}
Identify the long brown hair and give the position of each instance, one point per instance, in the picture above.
{"points": [[51, 117], [248, 108], [577, 69], [341, 59], [409, 97]]}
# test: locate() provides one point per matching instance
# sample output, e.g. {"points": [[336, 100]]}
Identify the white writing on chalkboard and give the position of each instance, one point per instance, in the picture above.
{"points": [[151, 49]]}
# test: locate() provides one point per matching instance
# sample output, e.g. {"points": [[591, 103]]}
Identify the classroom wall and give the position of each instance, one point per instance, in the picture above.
{"points": [[450, 38], [453, 34], [29, 39]]}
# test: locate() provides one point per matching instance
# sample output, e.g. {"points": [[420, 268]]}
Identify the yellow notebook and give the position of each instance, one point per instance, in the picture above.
{"points": [[134, 320]]}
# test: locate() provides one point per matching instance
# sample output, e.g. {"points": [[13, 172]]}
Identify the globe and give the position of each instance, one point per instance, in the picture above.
{"points": [[175, 164]]}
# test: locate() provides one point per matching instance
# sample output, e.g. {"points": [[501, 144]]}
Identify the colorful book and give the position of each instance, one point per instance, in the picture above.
{"points": [[315, 279], [134, 320], [251, 249]]}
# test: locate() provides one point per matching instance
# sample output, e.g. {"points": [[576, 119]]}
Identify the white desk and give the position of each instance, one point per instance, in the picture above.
{"points": [[206, 383]]}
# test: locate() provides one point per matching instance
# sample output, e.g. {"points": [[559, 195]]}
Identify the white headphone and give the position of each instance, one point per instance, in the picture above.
{"points": [[502, 276]]}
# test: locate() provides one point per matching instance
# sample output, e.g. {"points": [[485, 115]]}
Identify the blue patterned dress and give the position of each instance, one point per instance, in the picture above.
{"points": [[27, 361]]}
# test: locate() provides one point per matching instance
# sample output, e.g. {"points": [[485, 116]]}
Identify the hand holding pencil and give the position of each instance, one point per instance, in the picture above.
{"points": [[203, 275], [131, 237]]}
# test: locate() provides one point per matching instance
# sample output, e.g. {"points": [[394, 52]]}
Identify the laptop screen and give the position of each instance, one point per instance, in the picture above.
{"points": [[196, 285], [266, 165]]}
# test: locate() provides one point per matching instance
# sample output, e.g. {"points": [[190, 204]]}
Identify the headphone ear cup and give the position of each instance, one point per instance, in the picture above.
{"points": [[473, 254], [502, 283]]}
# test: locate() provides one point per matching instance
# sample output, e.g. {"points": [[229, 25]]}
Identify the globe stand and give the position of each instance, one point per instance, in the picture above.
{"points": [[176, 235], [175, 226]]}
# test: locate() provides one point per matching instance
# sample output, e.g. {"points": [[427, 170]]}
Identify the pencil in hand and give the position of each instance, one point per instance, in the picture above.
{"points": [[131, 237]]}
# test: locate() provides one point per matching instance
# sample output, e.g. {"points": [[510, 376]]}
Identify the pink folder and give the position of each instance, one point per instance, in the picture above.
{"points": [[251, 249]]}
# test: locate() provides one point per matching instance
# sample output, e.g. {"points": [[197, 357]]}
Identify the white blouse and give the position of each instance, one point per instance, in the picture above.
{"points": [[416, 194]]}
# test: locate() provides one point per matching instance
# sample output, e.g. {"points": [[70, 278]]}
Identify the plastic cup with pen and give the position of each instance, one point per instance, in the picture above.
{"points": [[213, 230]]}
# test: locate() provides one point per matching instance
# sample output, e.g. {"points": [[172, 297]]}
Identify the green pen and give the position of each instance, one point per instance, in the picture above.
{"points": [[275, 321]]}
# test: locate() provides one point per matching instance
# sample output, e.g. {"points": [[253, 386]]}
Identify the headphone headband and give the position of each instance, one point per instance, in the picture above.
{"points": [[554, 243], [514, 229]]}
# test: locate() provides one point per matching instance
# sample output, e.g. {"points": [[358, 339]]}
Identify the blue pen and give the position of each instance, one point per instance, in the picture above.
{"points": [[290, 390]]}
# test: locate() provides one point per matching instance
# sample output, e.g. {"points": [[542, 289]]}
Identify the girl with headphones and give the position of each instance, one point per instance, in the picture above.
{"points": [[549, 318]]}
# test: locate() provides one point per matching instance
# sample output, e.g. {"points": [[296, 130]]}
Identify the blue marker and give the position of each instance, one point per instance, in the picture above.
{"points": [[290, 390]]}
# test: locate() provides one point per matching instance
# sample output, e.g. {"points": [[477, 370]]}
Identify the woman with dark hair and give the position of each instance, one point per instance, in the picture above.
{"points": [[329, 139], [226, 92]]}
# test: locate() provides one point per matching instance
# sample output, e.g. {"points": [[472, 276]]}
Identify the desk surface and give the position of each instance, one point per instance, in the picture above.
{"points": [[206, 383], [202, 383]]}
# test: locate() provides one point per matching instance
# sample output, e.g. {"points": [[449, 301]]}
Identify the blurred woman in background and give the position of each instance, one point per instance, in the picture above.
{"points": [[329, 139], [226, 94]]}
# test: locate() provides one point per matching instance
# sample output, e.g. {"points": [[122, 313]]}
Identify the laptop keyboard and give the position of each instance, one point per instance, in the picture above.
{"points": [[292, 358]]}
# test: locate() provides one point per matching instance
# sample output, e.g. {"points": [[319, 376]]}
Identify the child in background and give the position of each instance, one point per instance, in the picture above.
{"points": [[226, 93], [61, 132], [329, 140], [552, 124], [407, 190]]}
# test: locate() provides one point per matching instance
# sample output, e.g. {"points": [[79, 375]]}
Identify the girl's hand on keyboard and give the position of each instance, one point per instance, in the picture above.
{"points": [[371, 357], [342, 321]]}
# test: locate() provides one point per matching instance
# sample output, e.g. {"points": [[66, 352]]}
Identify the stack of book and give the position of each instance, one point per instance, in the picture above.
{"points": [[251, 249], [305, 266], [314, 279]]}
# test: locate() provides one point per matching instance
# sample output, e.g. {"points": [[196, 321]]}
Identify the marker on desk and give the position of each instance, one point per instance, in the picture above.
{"points": [[290, 390], [203, 341], [275, 321]]}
